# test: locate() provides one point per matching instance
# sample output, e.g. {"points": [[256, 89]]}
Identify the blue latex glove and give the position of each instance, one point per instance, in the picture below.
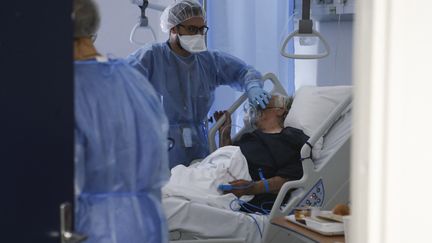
{"points": [[258, 96]]}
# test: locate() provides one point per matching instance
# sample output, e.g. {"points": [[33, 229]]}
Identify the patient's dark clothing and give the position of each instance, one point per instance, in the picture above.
{"points": [[277, 154]]}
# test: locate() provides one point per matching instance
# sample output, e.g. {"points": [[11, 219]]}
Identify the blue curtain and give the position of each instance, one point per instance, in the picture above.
{"points": [[252, 30]]}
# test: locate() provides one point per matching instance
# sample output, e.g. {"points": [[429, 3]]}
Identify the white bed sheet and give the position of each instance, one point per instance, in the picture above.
{"points": [[207, 222], [194, 206], [199, 182]]}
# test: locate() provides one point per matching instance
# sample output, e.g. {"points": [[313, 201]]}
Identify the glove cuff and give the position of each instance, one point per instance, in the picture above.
{"points": [[254, 84]]}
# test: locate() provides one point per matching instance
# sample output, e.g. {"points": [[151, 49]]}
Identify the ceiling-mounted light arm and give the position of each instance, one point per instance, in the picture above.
{"points": [[305, 30], [143, 21]]}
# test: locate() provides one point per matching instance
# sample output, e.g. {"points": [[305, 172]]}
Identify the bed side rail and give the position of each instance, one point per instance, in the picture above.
{"points": [[325, 126], [301, 184], [277, 87], [304, 184]]}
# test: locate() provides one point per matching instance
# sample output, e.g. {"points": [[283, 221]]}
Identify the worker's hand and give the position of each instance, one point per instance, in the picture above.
{"points": [[225, 128], [258, 96], [242, 187]]}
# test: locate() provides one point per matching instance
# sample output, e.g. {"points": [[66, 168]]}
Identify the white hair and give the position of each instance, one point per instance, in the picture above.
{"points": [[281, 101]]}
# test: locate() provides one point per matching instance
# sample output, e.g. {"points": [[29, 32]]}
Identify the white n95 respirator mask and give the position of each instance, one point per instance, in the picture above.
{"points": [[193, 43]]}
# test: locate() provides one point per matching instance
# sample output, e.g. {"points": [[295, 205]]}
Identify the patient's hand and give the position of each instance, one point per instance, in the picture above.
{"points": [[245, 187], [225, 129]]}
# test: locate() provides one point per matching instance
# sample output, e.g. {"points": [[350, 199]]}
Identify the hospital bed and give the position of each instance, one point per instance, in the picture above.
{"points": [[325, 180]]}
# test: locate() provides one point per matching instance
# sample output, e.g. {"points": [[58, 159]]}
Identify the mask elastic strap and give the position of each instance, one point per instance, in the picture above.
{"points": [[178, 39]]}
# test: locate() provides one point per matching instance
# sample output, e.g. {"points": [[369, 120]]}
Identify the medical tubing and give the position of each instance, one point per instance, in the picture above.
{"points": [[268, 202], [256, 222], [241, 203], [266, 184]]}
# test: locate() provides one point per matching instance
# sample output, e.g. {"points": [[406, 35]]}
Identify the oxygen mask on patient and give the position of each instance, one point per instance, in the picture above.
{"points": [[251, 115]]}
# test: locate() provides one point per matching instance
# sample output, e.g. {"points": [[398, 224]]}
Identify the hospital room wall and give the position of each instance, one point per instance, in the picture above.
{"points": [[335, 69], [117, 20], [391, 160], [119, 17]]}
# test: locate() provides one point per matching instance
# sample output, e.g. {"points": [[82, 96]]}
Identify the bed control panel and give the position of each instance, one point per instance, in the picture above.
{"points": [[315, 197]]}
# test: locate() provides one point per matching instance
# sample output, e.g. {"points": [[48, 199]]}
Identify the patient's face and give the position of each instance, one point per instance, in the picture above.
{"points": [[265, 116], [270, 115]]}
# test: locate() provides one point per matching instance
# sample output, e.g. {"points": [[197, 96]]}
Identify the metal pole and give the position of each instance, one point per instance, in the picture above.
{"points": [[306, 9]]}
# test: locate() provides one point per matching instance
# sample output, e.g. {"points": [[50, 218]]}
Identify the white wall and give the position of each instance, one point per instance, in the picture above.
{"points": [[335, 23], [392, 163], [336, 68], [117, 20]]}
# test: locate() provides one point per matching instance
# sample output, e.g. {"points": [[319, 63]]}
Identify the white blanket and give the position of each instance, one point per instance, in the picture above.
{"points": [[199, 182], [205, 222]]}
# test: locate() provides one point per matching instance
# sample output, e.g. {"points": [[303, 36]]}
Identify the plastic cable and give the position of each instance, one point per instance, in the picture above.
{"points": [[240, 202], [266, 184], [243, 205]]}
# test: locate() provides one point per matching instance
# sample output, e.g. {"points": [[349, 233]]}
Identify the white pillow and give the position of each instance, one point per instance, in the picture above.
{"points": [[311, 106]]}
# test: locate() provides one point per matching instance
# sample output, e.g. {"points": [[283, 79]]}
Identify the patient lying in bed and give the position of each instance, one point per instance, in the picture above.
{"points": [[272, 153], [259, 163]]}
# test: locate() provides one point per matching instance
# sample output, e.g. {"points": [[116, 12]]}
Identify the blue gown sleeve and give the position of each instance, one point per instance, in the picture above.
{"points": [[142, 60], [235, 72]]}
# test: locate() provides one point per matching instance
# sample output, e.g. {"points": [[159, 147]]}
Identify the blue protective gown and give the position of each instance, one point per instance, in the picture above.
{"points": [[186, 87], [121, 159]]}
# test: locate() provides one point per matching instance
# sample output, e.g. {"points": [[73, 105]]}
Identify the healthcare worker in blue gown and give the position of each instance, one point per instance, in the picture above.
{"points": [[121, 158], [185, 75]]}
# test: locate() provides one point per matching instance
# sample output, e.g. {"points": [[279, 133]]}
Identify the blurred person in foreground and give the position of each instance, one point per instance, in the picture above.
{"points": [[121, 159]]}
